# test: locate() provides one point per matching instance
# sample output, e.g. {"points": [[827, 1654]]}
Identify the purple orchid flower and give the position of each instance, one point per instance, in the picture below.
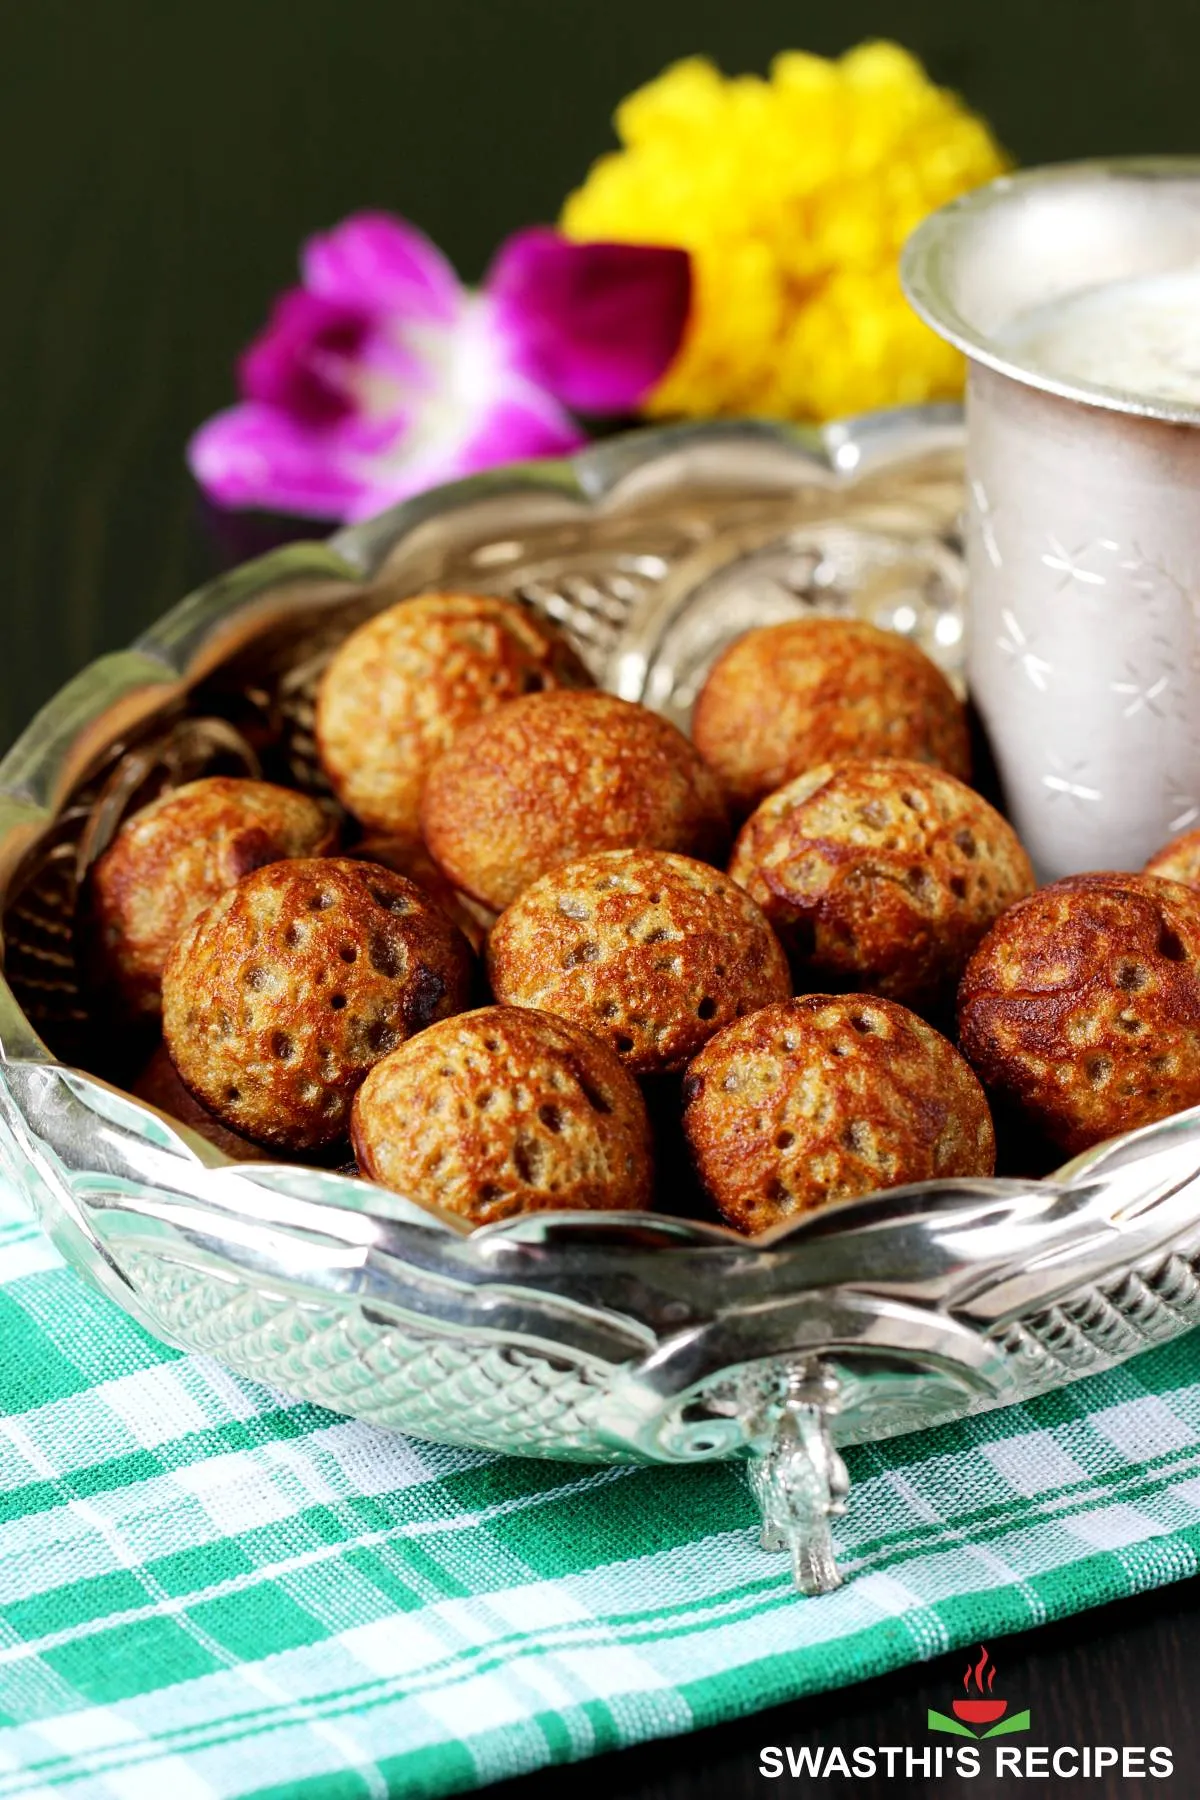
{"points": [[382, 375]]}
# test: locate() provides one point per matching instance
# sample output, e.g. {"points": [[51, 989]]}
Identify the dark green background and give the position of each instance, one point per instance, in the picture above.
{"points": [[160, 163]]}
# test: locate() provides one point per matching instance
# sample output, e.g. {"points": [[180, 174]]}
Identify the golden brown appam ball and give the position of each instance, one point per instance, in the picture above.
{"points": [[401, 687], [558, 776], [1178, 861], [159, 1085], [171, 860], [408, 856], [286, 990], [829, 1097], [1081, 1007], [881, 876], [784, 698], [504, 1111], [651, 952]]}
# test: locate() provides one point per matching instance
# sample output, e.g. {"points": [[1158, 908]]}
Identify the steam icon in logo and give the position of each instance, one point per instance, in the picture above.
{"points": [[980, 1708]]}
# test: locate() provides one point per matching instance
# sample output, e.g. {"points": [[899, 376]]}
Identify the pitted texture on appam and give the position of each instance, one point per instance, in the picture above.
{"points": [[283, 994], [172, 859], [502, 1111], [651, 952], [558, 776], [159, 1085], [1082, 1005], [881, 876], [409, 857], [401, 687], [828, 1097], [784, 698]]}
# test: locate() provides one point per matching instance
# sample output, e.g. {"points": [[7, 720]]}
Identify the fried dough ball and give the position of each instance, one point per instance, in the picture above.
{"points": [[784, 698], [1081, 1007], [881, 876], [401, 687], [408, 856], [829, 1097], [504, 1111], [651, 952], [172, 859], [159, 1085], [1178, 861], [286, 990], [558, 776]]}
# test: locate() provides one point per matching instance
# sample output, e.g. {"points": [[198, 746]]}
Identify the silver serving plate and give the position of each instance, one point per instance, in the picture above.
{"points": [[601, 1337]]}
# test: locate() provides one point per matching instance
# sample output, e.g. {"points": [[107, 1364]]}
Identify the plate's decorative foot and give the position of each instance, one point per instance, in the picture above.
{"points": [[798, 1478]]}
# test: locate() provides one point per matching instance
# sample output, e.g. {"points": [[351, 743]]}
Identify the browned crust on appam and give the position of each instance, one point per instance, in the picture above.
{"points": [[651, 952], [159, 1085], [829, 1097], [284, 992], [401, 687], [502, 1111], [558, 776], [171, 860], [1082, 1005], [881, 875], [784, 698], [408, 856]]}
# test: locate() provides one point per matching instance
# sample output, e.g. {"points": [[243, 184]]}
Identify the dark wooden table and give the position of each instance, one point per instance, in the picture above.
{"points": [[161, 163]]}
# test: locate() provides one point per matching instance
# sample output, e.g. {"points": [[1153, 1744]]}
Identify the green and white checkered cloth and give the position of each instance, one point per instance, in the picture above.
{"points": [[209, 1590]]}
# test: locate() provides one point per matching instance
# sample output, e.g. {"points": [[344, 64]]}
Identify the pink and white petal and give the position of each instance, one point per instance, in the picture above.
{"points": [[395, 362], [382, 264], [298, 360], [519, 426], [598, 325], [257, 456]]}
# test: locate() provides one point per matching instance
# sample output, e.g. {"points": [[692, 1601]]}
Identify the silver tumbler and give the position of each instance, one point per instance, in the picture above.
{"points": [[1083, 513]]}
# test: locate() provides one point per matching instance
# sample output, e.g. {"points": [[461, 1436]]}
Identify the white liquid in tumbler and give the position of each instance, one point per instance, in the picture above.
{"points": [[1140, 336]]}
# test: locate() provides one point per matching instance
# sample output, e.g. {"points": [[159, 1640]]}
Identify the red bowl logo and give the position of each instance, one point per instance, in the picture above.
{"points": [[979, 1709], [979, 1712]]}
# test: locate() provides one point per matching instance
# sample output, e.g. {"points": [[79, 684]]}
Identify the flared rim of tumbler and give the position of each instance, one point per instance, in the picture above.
{"points": [[1038, 235]]}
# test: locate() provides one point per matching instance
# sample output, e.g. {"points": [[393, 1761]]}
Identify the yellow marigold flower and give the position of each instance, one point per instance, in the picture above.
{"points": [[794, 196]]}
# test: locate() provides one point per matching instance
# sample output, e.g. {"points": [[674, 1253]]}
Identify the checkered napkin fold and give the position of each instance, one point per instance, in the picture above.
{"points": [[208, 1590]]}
